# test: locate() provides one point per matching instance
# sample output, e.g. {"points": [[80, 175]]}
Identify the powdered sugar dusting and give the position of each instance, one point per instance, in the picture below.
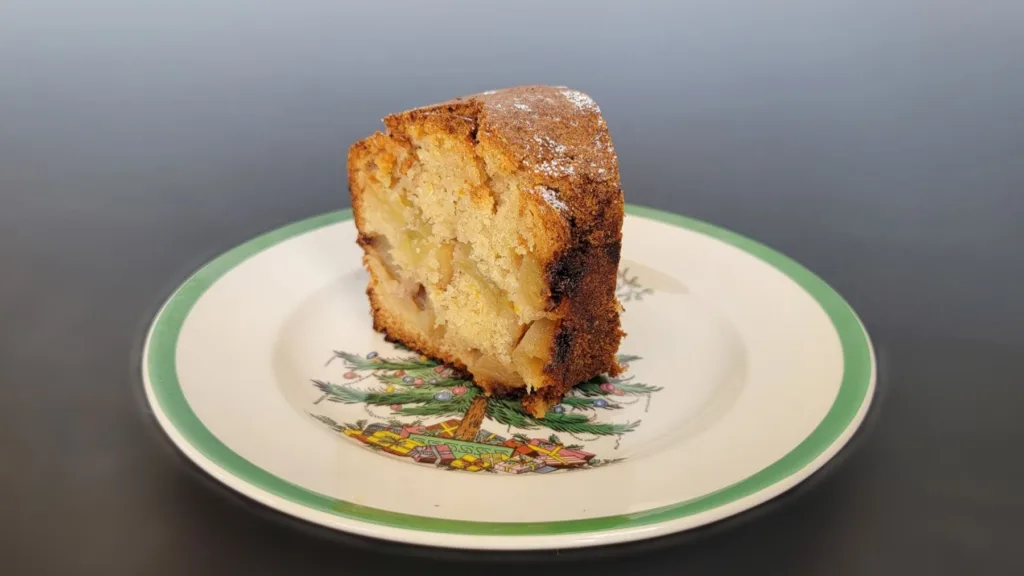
{"points": [[581, 100], [551, 197], [549, 143], [556, 167], [556, 162], [556, 132]]}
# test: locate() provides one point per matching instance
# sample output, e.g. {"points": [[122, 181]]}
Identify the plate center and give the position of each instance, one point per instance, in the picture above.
{"points": [[680, 378]]}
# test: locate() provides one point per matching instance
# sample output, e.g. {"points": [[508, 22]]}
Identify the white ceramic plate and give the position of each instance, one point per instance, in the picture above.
{"points": [[746, 374]]}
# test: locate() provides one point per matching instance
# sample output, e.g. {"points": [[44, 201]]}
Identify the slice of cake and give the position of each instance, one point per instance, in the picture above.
{"points": [[491, 226]]}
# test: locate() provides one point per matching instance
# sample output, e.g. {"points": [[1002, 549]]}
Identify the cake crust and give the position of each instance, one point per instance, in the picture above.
{"points": [[556, 139]]}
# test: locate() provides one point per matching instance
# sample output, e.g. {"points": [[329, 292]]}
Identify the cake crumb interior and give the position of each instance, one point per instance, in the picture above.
{"points": [[451, 244]]}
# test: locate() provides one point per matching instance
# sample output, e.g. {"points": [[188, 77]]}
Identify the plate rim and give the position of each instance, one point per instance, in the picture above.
{"points": [[187, 432]]}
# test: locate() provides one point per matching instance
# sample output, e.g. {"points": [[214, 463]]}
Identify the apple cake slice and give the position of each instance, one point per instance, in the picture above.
{"points": [[491, 227]]}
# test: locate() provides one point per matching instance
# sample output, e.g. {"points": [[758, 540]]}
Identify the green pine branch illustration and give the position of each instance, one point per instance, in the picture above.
{"points": [[455, 406], [428, 380], [628, 288], [414, 386], [357, 425], [329, 422], [586, 403], [635, 389], [593, 388], [510, 413], [356, 362], [405, 395]]}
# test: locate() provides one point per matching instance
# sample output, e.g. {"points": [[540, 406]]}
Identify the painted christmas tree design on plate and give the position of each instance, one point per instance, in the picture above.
{"points": [[416, 389]]}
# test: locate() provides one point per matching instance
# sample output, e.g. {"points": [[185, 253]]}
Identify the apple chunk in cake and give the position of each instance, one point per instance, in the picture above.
{"points": [[491, 227]]}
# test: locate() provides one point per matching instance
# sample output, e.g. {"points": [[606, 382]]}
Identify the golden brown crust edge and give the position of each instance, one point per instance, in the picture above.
{"points": [[571, 154]]}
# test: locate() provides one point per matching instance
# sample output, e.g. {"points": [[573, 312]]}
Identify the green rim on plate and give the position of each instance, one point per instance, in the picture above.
{"points": [[163, 377]]}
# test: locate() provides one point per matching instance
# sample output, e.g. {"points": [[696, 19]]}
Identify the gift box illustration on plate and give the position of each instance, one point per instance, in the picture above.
{"points": [[436, 454]]}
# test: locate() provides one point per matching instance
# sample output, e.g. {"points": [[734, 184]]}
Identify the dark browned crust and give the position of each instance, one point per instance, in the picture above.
{"points": [[559, 137], [588, 336]]}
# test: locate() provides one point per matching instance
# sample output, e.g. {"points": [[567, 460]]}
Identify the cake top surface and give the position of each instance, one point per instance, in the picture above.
{"points": [[554, 131], [553, 134]]}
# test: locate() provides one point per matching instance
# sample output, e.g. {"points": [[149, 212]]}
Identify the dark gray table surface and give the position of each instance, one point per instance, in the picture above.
{"points": [[879, 143]]}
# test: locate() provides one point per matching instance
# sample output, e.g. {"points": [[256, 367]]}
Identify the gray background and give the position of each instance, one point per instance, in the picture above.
{"points": [[879, 143]]}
